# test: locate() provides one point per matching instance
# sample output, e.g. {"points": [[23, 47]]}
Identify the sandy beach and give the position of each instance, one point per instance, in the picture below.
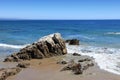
{"points": [[48, 69]]}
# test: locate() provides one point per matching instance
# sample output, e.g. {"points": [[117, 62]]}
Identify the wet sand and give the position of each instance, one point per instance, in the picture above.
{"points": [[47, 69]]}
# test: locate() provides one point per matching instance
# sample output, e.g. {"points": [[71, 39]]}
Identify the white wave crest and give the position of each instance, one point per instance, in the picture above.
{"points": [[113, 33], [12, 46], [81, 36], [107, 58]]}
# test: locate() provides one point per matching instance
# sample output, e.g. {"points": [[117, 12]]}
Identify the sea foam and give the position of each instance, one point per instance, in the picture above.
{"points": [[12, 46], [81, 36], [113, 33], [107, 58]]}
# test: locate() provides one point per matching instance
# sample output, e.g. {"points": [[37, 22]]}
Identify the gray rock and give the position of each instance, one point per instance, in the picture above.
{"points": [[72, 41]]}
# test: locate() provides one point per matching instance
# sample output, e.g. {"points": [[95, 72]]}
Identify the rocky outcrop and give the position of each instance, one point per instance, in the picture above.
{"points": [[75, 67], [78, 66], [72, 41], [48, 46], [5, 73]]}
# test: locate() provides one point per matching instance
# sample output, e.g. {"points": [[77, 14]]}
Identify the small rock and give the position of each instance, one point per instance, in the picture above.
{"points": [[61, 62], [86, 59], [90, 64], [69, 66], [8, 59], [77, 69], [40, 63], [86, 65], [76, 54], [66, 68], [23, 65]]}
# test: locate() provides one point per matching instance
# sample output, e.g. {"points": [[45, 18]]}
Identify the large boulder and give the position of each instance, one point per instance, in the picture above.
{"points": [[48, 46]]}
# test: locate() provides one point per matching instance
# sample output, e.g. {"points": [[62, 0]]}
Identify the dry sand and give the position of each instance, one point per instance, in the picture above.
{"points": [[47, 69]]}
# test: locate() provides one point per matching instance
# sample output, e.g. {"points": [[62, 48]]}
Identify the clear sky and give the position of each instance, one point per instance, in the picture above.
{"points": [[60, 9]]}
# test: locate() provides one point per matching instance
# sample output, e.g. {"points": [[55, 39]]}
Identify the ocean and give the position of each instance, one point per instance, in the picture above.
{"points": [[99, 39]]}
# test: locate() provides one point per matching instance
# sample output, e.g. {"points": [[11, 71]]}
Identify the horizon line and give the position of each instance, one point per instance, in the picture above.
{"points": [[53, 19]]}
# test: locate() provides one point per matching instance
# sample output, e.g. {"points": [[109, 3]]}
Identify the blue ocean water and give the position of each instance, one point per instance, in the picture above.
{"points": [[93, 32], [100, 37]]}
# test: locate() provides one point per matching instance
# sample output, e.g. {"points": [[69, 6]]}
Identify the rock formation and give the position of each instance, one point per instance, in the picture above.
{"points": [[83, 63], [5, 73], [75, 67], [48, 46]]}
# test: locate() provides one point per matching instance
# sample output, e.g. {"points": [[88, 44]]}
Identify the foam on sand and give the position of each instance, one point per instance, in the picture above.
{"points": [[107, 58]]}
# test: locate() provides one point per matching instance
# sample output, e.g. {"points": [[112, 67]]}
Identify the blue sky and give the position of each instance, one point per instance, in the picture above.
{"points": [[60, 9]]}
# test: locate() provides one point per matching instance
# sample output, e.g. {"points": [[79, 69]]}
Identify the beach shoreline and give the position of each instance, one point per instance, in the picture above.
{"points": [[47, 68], [53, 58]]}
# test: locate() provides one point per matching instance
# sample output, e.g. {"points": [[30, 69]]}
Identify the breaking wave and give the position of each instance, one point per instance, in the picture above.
{"points": [[12, 46], [80, 36], [107, 58], [113, 33]]}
